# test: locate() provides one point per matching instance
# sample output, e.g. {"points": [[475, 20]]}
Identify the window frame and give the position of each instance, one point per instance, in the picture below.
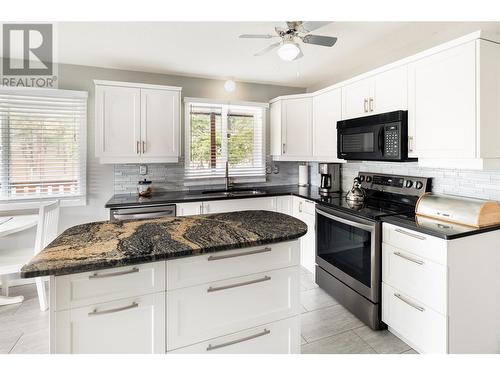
{"points": [[29, 202], [217, 179]]}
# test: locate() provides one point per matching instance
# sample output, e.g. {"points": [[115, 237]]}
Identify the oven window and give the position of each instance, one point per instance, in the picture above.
{"points": [[360, 142], [345, 247]]}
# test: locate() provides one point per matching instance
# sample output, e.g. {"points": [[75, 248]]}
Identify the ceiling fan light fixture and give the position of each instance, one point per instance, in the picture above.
{"points": [[288, 51], [229, 85]]}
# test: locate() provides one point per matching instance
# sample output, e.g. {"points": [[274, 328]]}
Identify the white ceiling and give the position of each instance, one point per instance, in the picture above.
{"points": [[212, 49]]}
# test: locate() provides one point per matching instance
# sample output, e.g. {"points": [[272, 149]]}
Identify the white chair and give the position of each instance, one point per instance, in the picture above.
{"points": [[12, 260]]}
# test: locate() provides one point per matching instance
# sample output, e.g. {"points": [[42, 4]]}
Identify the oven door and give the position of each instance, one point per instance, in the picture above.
{"points": [[348, 248], [364, 142]]}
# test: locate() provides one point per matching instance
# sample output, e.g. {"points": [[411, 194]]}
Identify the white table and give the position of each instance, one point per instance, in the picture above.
{"points": [[10, 262]]}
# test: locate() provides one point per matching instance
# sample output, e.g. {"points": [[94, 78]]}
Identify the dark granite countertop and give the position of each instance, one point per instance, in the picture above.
{"points": [[436, 228], [165, 197], [99, 245]]}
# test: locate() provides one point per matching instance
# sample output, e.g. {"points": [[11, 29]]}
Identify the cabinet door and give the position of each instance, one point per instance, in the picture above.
{"points": [[229, 205], [390, 91], [305, 210], [117, 122], [355, 98], [442, 105], [190, 208], [133, 325], [326, 113], [284, 204], [275, 128], [297, 122], [159, 123]]}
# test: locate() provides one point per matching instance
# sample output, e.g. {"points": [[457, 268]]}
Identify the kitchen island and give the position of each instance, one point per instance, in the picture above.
{"points": [[219, 283]]}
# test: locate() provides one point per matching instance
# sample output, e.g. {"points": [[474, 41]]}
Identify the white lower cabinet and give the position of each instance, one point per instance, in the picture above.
{"points": [[439, 295], [280, 337], [218, 308], [189, 208], [130, 325], [229, 205], [423, 328], [305, 210]]}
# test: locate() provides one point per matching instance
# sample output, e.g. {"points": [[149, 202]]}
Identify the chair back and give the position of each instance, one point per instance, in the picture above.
{"points": [[48, 220]]}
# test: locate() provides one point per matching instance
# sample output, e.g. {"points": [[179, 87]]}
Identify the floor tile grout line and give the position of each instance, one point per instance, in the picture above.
{"points": [[13, 346], [320, 308], [366, 342], [335, 334]]}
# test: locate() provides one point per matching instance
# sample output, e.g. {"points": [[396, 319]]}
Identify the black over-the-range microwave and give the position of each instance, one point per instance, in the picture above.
{"points": [[382, 137]]}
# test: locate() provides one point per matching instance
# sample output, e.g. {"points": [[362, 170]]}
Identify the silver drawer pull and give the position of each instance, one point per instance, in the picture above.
{"points": [[213, 347], [217, 288], [104, 275], [399, 296], [418, 261], [219, 257], [410, 234], [110, 311]]}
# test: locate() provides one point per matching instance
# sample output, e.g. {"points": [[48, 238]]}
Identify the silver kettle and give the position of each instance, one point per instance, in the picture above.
{"points": [[357, 193]]}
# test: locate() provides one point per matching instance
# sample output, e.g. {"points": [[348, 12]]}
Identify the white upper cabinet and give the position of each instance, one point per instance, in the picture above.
{"points": [[117, 121], [137, 123], [159, 123], [383, 92], [275, 128], [453, 106], [297, 127], [326, 113]]}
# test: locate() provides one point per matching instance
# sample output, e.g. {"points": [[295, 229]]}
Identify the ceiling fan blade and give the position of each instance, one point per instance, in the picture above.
{"points": [[267, 49], [309, 26], [320, 40], [257, 36]]}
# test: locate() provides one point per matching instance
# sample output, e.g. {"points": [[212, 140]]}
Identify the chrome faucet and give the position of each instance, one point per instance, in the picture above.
{"points": [[228, 179]]}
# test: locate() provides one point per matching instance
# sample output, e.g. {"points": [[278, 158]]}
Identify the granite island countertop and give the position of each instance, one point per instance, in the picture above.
{"points": [[105, 244]]}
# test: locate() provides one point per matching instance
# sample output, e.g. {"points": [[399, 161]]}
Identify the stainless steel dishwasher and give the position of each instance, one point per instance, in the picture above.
{"points": [[141, 212]]}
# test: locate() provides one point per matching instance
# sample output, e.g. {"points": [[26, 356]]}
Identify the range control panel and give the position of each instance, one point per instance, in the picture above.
{"points": [[391, 141], [408, 185]]}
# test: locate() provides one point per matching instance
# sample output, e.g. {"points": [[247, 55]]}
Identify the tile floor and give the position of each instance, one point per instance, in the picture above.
{"points": [[327, 327]]}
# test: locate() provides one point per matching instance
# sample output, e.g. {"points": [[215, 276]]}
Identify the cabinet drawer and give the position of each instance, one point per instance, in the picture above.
{"points": [[131, 325], [423, 328], [419, 278], [281, 337], [230, 205], [87, 288], [420, 244], [203, 312], [233, 263]]}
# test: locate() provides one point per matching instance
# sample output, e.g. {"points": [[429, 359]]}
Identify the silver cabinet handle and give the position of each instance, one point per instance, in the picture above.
{"points": [[119, 273], [371, 104], [283, 148], [110, 311], [399, 296], [143, 147], [217, 288], [263, 333], [300, 206], [410, 143], [410, 234], [137, 147], [365, 105], [219, 257], [418, 261]]}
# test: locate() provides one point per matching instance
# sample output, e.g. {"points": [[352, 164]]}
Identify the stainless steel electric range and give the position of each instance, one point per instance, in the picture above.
{"points": [[349, 240]]}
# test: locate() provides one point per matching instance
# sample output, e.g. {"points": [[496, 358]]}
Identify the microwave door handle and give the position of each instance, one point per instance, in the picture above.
{"points": [[381, 140]]}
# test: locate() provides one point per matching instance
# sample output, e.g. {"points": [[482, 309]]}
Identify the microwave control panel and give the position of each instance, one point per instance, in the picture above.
{"points": [[391, 141]]}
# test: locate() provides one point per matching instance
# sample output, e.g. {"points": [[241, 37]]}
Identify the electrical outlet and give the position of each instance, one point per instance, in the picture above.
{"points": [[143, 169]]}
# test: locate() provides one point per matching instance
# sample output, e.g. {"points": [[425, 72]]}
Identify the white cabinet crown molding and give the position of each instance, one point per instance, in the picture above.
{"points": [[98, 82]]}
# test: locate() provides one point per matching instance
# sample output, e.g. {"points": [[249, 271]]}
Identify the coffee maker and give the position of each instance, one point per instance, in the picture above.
{"points": [[329, 179]]}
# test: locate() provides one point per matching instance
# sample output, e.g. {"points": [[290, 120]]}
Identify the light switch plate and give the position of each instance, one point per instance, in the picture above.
{"points": [[143, 169]]}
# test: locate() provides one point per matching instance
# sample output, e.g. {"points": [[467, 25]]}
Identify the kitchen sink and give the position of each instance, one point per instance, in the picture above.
{"points": [[232, 192]]}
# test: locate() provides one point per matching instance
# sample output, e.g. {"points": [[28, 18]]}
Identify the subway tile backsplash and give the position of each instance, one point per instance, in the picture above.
{"points": [[478, 184]]}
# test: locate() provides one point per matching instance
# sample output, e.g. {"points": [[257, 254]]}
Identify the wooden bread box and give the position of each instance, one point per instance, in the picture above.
{"points": [[466, 211]]}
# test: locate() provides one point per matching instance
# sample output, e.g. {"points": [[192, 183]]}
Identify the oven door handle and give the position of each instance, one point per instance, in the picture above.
{"points": [[369, 228], [381, 140]]}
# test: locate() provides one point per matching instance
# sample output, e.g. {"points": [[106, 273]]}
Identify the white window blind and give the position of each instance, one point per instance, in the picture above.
{"points": [[217, 132], [42, 143]]}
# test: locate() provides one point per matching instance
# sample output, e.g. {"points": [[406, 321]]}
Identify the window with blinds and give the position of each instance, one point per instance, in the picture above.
{"points": [[42, 143], [216, 133]]}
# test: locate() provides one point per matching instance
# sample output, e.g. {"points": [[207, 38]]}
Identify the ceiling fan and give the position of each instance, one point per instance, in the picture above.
{"points": [[289, 49]]}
